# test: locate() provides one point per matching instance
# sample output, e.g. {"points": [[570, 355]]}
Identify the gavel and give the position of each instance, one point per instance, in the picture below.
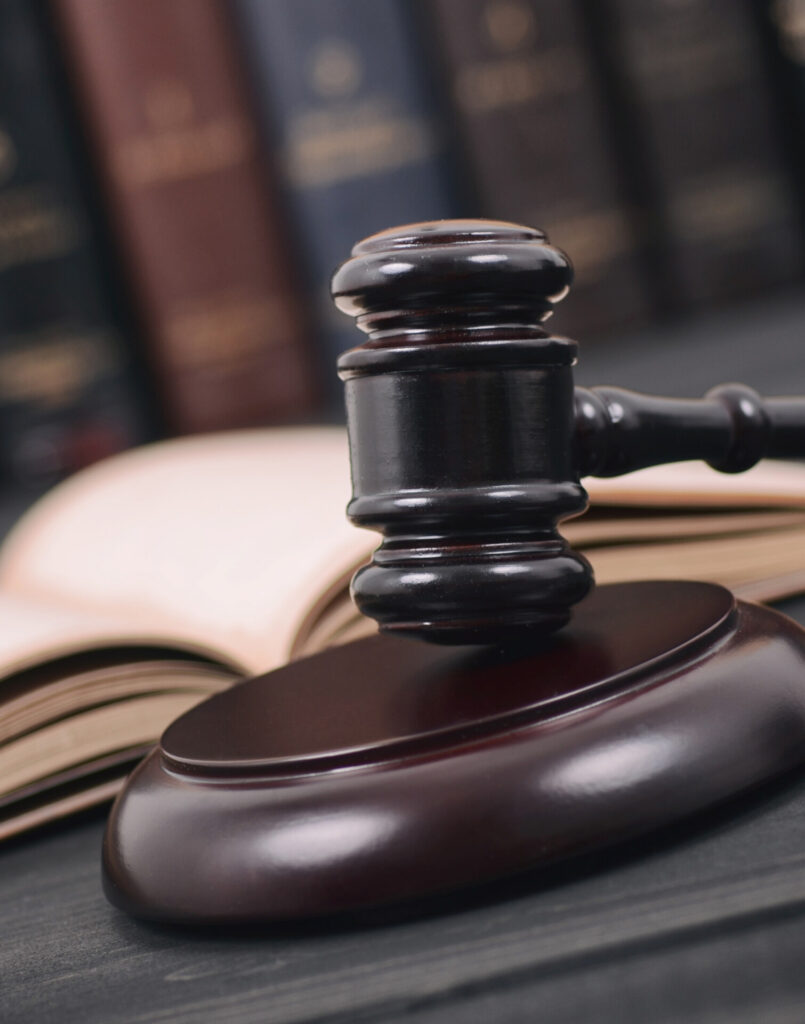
{"points": [[387, 769], [468, 440]]}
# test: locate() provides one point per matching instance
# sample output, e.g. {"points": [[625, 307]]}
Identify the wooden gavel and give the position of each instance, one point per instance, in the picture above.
{"points": [[468, 440], [386, 770]]}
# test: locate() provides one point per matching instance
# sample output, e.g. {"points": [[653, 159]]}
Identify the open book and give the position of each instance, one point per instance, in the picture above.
{"points": [[151, 580]]}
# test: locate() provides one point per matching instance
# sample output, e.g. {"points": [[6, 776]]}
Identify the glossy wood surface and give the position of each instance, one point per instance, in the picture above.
{"points": [[392, 769], [461, 424], [468, 440], [731, 428]]}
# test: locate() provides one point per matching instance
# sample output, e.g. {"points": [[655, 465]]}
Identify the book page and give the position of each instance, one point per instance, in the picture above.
{"points": [[121, 725], [220, 541], [66, 689], [35, 629]]}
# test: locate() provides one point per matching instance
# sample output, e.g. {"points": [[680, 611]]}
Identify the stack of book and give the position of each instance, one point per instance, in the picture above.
{"points": [[179, 180]]}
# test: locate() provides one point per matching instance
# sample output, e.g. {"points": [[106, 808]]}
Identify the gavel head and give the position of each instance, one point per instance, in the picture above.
{"points": [[460, 415]]}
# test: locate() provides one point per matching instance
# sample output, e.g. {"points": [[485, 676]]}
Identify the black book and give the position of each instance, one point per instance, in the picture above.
{"points": [[703, 116], [69, 386], [523, 85]]}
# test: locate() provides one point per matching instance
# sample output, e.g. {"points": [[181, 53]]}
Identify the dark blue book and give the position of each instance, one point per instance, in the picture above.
{"points": [[350, 125], [69, 387]]}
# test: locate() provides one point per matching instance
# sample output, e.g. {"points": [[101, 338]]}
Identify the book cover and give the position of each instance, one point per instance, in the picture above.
{"points": [[537, 140], [69, 387], [198, 229], [349, 121], [704, 113]]}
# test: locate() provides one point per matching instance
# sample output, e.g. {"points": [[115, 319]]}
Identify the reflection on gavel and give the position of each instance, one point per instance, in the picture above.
{"points": [[468, 440]]}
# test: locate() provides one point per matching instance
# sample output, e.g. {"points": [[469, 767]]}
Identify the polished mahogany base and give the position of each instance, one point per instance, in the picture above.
{"points": [[391, 769]]}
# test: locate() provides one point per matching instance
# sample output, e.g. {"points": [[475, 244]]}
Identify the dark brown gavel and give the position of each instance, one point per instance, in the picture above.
{"points": [[468, 439]]}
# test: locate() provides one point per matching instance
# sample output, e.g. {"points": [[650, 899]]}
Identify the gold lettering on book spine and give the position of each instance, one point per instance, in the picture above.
{"points": [[346, 135], [672, 64], [510, 24], [354, 141], [55, 366], [595, 237], [178, 143], [730, 204], [335, 70], [191, 152], [227, 331], [506, 82], [35, 225], [517, 72]]}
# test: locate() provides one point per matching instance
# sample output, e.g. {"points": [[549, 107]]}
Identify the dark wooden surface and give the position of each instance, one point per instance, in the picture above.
{"points": [[702, 925]]}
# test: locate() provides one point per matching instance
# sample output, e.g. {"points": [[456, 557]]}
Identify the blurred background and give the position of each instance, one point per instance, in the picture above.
{"points": [[179, 179]]}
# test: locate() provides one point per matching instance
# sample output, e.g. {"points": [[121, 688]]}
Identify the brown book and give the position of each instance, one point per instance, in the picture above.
{"points": [[136, 588], [165, 106], [704, 113], [524, 91]]}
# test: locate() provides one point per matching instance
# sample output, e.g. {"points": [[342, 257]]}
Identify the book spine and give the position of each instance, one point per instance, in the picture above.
{"points": [[705, 114], [781, 24], [348, 111], [523, 85], [68, 384], [167, 109]]}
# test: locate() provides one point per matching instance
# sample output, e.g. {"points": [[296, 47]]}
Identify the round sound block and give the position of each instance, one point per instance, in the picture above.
{"points": [[391, 769]]}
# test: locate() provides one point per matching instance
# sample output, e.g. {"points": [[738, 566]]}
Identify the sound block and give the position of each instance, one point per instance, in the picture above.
{"points": [[391, 769]]}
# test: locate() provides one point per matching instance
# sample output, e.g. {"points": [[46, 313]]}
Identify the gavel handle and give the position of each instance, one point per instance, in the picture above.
{"points": [[731, 428]]}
